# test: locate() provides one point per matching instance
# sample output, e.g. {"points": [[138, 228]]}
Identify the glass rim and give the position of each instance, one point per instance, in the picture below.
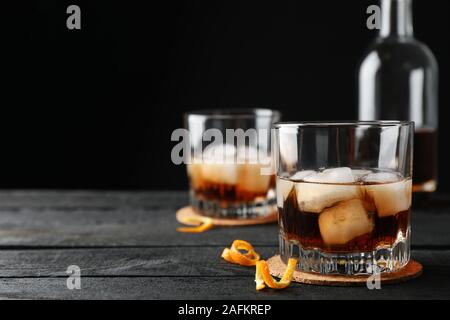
{"points": [[347, 123], [230, 113]]}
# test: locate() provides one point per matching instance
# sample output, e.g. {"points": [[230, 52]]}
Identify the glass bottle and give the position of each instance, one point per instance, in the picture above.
{"points": [[398, 80]]}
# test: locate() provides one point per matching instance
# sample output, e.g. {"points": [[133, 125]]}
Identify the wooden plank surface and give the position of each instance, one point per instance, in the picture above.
{"points": [[127, 248], [142, 219], [150, 262], [432, 285]]}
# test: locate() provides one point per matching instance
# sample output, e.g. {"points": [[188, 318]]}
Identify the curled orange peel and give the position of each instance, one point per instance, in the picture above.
{"points": [[201, 224], [263, 276], [259, 279], [234, 254], [245, 259], [226, 255]]}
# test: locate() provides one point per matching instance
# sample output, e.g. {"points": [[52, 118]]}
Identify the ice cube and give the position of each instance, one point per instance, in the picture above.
{"points": [[344, 222], [382, 177], [215, 154], [284, 187], [300, 175], [335, 175], [314, 197], [391, 198], [220, 173], [251, 179], [359, 174]]}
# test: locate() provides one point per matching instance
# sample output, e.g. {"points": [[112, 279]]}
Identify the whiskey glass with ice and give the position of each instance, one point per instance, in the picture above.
{"points": [[344, 195], [230, 170]]}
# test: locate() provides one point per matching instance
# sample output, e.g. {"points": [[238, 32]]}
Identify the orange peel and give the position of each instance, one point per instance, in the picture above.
{"points": [[259, 279], [200, 224], [263, 276], [247, 259], [226, 255], [234, 254]]}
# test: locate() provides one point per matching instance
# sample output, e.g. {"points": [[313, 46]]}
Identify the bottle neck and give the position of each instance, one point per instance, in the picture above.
{"points": [[396, 18]]}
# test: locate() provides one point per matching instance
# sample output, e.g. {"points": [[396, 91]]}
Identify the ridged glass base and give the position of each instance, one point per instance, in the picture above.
{"points": [[238, 210], [383, 259]]}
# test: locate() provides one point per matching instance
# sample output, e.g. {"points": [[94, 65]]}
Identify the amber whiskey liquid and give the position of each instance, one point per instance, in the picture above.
{"points": [[353, 218]]}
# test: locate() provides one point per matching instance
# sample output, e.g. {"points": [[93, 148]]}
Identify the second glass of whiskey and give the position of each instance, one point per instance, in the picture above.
{"points": [[231, 173]]}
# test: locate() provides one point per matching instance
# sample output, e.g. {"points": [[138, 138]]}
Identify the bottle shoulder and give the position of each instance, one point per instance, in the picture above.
{"points": [[400, 52]]}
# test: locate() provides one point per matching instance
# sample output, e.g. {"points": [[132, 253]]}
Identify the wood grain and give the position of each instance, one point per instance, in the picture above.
{"points": [[127, 248], [432, 285], [150, 262], [69, 219]]}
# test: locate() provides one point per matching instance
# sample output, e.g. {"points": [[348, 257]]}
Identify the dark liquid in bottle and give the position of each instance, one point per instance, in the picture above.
{"points": [[425, 160]]}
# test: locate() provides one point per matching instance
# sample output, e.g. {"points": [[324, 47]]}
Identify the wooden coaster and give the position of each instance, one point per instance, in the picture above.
{"points": [[412, 270], [229, 222]]}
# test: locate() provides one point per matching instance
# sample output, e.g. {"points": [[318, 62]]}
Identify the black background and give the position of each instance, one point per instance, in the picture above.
{"points": [[94, 108]]}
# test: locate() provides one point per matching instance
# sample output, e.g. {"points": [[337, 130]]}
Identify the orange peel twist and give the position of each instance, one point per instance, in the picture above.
{"points": [[263, 276], [234, 254], [200, 224]]}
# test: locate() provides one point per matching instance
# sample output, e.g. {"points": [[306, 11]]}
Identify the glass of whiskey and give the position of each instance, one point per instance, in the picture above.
{"points": [[344, 195], [230, 169]]}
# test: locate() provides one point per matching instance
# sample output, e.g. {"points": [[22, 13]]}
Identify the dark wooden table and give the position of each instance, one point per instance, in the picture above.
{"points": [[126, 246]]}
